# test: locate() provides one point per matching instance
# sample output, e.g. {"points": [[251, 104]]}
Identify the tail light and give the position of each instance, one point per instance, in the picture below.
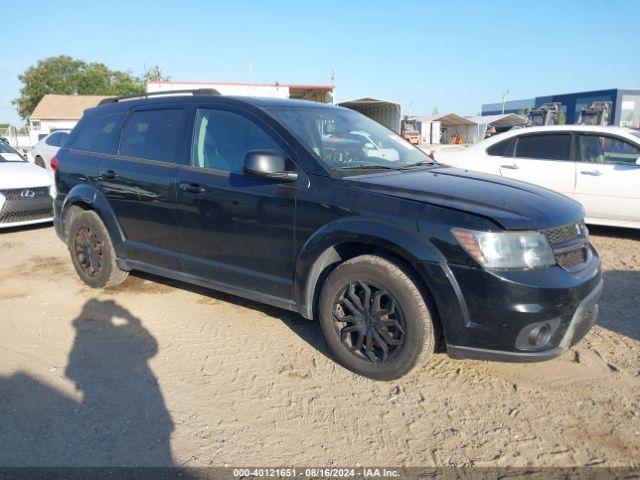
{"points": [[54, 163]]}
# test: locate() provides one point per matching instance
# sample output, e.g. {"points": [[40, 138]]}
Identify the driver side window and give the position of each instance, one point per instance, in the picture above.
{"points": [[607, 150], [222, 139]]}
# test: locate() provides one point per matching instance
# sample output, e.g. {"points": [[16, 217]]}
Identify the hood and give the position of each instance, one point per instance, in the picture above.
{"points": [[23, 175], [512, 204]]}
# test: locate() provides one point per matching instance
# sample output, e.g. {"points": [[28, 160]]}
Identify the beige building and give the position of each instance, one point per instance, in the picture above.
{"points": [[59, 112]]}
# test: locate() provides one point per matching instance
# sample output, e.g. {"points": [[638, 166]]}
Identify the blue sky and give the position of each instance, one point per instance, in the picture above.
{"points": [[453, 55]]}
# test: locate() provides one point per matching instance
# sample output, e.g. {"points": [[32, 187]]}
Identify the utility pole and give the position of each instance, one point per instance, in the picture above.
{"points": [[504, 97], [333, 84]]}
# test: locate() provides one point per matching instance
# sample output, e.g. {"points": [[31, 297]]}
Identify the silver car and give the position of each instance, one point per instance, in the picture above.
{"points": [[45, 149]]}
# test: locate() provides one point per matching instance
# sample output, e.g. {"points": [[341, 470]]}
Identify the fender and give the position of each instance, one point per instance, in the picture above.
{"points": [[318, 253], [89, 195]]}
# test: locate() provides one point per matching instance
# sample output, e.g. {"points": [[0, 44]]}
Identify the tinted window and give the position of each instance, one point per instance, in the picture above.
{"points": [[546, 147], [100, 134], [607, 150], [154, 134], [223, 138], [501, 149], [56, 139]]}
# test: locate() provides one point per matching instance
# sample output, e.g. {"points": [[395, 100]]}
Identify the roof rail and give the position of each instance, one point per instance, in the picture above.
{"points": [[197, 91]]}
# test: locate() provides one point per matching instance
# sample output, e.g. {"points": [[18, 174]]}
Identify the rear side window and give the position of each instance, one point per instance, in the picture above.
{"points": [[154, 134], [100, 134], [502, 149], [544, 147], [56, 139]]}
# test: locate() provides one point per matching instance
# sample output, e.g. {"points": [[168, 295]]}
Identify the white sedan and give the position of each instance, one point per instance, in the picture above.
{"points": [[25, 190], [597, 166], [46, 149]]}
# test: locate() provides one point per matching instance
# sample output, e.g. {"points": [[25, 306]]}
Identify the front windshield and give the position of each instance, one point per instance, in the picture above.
{"points": [[346, 140], [8, 154]]}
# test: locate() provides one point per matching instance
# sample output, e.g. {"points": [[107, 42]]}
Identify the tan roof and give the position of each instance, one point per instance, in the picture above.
{"points": [[64, 106]]}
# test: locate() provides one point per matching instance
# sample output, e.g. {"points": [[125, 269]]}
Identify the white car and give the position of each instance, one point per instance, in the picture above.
{"points": [[25, 190], [597, 166], [45, 149]]}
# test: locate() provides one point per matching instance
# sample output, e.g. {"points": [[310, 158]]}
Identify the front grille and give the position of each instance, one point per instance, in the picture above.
{"points": [[564, 234], [14, 193], [569, 245], [572, 259], [20, 208]]}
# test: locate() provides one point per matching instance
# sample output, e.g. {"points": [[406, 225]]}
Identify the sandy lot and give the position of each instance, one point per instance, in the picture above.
{"points": [[159, 373]]}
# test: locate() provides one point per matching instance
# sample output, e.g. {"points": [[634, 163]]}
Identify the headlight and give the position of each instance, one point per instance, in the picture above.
{"points": [[506, 249]]}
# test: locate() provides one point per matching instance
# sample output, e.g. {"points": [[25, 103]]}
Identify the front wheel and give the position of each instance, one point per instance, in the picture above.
{"points": [[375, 319]]}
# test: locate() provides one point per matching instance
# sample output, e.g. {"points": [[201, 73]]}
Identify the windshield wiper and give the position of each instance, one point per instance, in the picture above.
{"points": [[363, 167], [419, 164]]}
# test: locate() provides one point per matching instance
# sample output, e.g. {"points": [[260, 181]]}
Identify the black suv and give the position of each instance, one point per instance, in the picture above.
{"points": [[320, 210]]}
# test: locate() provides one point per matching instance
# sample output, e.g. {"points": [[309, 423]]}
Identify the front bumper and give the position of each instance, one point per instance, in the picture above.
{"points": [[581, 322], [485, 314]]}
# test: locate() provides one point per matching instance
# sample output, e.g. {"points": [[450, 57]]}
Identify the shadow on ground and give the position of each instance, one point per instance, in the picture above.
{"points": [[27, 228], [121, 419], [619, 307], [614, 232], [307, 330]]}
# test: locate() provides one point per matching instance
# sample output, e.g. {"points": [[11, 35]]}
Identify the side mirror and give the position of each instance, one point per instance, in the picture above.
{"points": [[269, 164]]}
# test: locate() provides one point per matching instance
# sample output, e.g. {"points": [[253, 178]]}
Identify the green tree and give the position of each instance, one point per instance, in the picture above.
{"points": [[154, 74], [434, 110], [66, 75]]}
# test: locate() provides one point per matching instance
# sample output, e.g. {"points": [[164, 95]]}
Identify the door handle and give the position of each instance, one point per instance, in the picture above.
{"points": [[510, 166], [191, 188], [108, 175], [593, 173]]}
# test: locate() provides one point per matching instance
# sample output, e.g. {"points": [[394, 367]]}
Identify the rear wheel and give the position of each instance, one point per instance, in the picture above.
{"points": [[92, 253], [375, 319]]}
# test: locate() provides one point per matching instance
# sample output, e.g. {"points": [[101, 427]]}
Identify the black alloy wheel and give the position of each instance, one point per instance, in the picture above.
{"points": [[369, 322], [88, 250]]}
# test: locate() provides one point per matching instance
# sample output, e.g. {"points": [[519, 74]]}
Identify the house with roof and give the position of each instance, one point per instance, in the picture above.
{"points": [[59, 112]]}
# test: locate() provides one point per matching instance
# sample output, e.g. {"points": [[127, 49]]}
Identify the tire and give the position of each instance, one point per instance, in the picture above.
{"points": [[398, 316], [40, 162], [96, 266]]}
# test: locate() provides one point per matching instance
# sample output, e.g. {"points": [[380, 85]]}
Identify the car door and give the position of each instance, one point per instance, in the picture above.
{"points": [[608, 177], [496, 155], [543, 159], [236, 230], [140, 184]]}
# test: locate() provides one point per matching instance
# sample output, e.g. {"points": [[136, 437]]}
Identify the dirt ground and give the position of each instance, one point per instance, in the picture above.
{"points": [[160, 373]]}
